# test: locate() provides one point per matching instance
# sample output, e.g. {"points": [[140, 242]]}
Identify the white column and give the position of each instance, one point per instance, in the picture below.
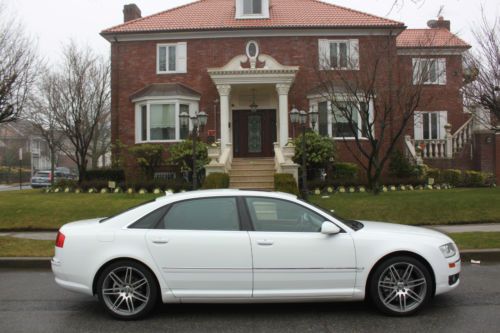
{"points": [[283, 90], [225, 135]]}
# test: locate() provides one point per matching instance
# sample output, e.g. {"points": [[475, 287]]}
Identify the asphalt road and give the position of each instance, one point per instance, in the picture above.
{"points": [[31, 302]]}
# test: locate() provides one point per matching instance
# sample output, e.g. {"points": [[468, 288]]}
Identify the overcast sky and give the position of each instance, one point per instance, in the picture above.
{"points": [[54, 22]]}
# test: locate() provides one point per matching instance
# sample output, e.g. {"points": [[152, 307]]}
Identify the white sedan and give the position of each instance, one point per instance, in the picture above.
{"points": [[250, 246]]}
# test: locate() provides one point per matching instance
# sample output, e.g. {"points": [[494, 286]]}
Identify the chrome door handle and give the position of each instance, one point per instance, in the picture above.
{"points": [[160, 241], [265, 242]]}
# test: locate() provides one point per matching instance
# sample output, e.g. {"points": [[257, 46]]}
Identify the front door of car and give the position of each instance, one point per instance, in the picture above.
{"points": [[292, 258], [201, 251]]}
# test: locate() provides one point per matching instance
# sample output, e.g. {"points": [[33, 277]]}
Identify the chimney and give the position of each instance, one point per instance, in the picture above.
{"points": [[440, 23], [131, 12]]}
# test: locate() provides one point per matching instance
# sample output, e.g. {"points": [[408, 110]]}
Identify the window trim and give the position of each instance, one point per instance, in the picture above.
{"points": [[167, 46], [315, 102], [177, 101], [418, 124], [441, 74], [240, 11], [324, 54], [180, 59]]}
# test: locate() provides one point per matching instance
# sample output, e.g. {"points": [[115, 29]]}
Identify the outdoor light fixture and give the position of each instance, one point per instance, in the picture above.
{"points": [[314, 115], [198, 121], [253, 106]]}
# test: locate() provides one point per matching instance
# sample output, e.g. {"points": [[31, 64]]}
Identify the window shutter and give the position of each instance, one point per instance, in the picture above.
{"points": [[441, 71], [418, 126], [354, 53], [443, 120], [181, 57], [416, 65], [324, 54]]}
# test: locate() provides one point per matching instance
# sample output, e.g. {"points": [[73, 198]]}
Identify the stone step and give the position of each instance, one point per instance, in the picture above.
{"points": [[252, 167], [252, 179], [241, 161], [252, 185], [252, 172]]}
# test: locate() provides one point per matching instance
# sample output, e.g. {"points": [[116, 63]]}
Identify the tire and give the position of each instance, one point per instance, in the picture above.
{"points": [[127, 290], [400, 286]]}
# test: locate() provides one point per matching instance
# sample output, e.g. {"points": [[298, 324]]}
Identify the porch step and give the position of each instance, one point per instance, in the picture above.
{"points": [[252, 173]]}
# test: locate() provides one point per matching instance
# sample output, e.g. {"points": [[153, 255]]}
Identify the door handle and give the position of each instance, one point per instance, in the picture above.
{"points": [[265, 242], [160, 241]]}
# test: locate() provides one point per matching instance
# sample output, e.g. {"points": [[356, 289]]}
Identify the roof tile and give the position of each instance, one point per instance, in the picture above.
{"points": [[429, 38]]}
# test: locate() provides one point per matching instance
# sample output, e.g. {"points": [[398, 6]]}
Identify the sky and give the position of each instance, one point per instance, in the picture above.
{"points": [[53, 22]]}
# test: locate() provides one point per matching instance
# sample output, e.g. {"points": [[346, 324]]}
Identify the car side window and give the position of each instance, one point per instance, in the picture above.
{"points": [[150, 220], [203, 214], [269, 214]]}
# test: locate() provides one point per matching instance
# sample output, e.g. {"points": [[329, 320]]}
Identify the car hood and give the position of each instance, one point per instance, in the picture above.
{"points": [[393, 228]]}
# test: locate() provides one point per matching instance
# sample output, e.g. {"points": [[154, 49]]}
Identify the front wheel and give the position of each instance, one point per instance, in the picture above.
{"points": [[127, 290], [401, 286]]}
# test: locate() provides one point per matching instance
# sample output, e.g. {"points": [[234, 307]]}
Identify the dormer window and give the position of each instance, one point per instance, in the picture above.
{"points": [[252, 9]]}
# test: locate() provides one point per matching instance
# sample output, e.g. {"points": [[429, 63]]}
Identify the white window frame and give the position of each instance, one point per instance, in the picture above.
{"points": [[315, 104], [442, 118], [352, 47], [180, 58], [440, 74], [240, 13], [193, 107]]}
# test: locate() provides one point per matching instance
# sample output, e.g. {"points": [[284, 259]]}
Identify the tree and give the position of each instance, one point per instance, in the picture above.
{"points": [[101, 142], [18, 66], [373, 106], [483, 68], [82, 99]]}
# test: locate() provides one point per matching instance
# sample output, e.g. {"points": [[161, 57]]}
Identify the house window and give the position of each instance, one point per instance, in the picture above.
{"points": [[158, 121], [171, 58], [343, 120], [430, 125], [338, 54], [429, 71], [252, 7]]}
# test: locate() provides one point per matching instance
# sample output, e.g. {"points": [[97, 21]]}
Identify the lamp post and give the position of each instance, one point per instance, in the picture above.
{"points": [[300, 117], [198, 121]]}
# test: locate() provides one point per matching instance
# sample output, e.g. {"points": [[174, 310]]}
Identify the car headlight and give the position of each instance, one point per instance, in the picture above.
{"points": [[448, 250]]}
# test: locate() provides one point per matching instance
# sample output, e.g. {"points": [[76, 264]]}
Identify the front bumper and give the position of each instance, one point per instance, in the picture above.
{"points": [[449, 275]]}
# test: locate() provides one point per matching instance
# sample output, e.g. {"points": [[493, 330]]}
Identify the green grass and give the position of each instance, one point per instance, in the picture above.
{"points": [[19, 247], [477, 240], [33, 209], [428, 207]]}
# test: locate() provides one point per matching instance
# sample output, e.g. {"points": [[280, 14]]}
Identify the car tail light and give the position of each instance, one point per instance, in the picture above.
{"points": [[60, 239]]}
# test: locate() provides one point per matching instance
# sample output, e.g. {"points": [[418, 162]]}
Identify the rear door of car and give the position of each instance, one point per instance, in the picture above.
{"points": [[202, 250]]}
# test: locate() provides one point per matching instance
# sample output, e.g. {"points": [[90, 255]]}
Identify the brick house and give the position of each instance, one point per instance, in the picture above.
{"points": [[247, 62]]}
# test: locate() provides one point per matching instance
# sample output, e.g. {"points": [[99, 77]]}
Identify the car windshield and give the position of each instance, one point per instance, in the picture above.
{"points": [[123, 212], [354, 225]]}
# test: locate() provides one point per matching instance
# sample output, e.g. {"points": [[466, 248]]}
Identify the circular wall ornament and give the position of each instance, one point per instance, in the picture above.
{"points": [[252, 49]]}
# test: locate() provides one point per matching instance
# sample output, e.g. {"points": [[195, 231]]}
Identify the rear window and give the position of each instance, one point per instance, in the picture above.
{"points": [[43, 174]]}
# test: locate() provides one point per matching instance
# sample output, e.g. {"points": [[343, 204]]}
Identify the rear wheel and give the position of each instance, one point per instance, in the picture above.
{"points": [[401, 286], [127, 290]]}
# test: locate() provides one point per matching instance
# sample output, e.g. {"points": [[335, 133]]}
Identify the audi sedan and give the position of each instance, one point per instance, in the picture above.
{"points": [[249, 246]]}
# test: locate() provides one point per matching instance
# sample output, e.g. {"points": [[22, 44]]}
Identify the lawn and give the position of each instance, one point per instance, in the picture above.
{"points": [[467, 205], [33, 209]]}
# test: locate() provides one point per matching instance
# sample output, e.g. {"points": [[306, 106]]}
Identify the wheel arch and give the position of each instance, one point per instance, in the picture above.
{"points": [[109, 262], [414, 255]]}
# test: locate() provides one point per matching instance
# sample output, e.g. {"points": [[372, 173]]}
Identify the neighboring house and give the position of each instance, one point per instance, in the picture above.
{"points": [[247, 62]]}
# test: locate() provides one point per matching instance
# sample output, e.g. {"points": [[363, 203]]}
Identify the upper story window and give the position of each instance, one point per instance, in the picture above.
{"points": [[252, 9], [429, 71], [171, 58], [338, 54]]}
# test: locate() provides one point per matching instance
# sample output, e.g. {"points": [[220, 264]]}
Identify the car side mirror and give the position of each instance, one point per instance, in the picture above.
{"points": [[328, 228]]}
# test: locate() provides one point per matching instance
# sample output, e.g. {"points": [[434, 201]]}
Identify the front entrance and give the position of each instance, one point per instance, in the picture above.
{"points": [[254, 133]]}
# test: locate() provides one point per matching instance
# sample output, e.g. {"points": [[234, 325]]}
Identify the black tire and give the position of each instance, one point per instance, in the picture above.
{"points": [[400, 286], [130, 287]]}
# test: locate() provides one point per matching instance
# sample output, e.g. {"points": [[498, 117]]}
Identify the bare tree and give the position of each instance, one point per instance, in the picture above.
{"points": [[18, 65], [483, 68], [82, 88], [372, 108], [101, 142]]}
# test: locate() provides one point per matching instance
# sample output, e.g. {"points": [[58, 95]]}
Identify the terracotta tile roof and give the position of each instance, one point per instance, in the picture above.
{"points": [[220, 15], [429, 38]]}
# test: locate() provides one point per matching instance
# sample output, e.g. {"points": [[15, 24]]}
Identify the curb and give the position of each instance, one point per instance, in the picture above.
{"points": [[486, 255]]}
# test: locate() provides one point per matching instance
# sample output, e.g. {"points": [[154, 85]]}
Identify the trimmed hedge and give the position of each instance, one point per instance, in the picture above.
{"points": [[284, 182], [116, 175], [345, 173], [11, 175], [216, 180]]}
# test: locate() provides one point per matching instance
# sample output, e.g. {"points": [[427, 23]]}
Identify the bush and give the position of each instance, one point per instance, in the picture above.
{"points": [[116, 175], [175, 185], [400, 166], [344, 173], [181, 154], [284, 182], [451, 176], [66, 183], [216, 180], [11, 175], [96, 184], [320, 151], [435, 174], [149, 157], [473, 178]]}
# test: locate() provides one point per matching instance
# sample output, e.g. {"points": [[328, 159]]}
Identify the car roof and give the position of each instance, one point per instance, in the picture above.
{"points": [[225, 192]]}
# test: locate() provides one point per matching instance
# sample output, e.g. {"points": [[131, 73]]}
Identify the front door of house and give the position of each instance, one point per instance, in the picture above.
{"points": [[254, 133]]}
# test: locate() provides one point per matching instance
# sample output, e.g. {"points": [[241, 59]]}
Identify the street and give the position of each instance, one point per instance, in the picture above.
{"points": [[30, 301]]}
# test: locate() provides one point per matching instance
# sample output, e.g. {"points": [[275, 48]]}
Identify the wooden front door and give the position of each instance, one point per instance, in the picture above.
{"points": [[254, 133]]}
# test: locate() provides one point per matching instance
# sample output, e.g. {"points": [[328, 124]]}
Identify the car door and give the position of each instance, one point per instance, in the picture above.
{"points": [[201, 250], [291, 257]]}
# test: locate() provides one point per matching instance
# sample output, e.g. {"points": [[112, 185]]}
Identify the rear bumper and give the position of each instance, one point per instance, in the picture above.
{"points": [[66, 280]]}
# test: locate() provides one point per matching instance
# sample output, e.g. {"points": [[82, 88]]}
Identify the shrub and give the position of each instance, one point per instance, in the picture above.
{"points": [[451, 176], [93, 184], [150, 185], [116, 175], [435, 174], [400, 166], [148, 157], [320, 151], [284, 182], [345, 173], [66, 183], [181, 154], [473, 178], [216, 180]]}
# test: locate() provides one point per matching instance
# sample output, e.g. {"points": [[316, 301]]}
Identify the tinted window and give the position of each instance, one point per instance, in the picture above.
{"points": [[203, 214], [280, 215], [149, 221]]}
